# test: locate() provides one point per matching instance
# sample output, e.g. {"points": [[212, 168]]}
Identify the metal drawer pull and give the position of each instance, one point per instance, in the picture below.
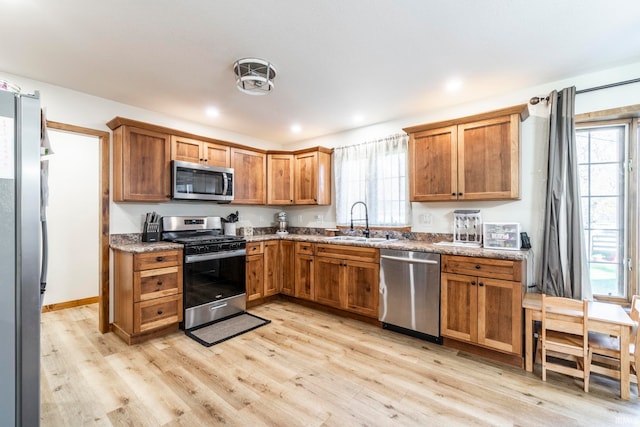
{"points": [[159, 312], [410, 260], [215, 307], [159, 283], [478, 267], [159, 259]]}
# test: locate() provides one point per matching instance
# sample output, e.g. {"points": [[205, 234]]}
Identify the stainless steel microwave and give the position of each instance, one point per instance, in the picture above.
{"points": [[193, 181]]}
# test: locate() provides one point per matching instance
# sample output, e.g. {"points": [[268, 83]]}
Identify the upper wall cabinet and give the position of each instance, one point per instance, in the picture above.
{"points": [[197, 151], [301, 178], [312, 172], [250, 171], [473, 158], [141, 164], [280, 179]]}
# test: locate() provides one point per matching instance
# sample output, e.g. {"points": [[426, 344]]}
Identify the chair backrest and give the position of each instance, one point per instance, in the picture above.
{"points": [[565, 315]]}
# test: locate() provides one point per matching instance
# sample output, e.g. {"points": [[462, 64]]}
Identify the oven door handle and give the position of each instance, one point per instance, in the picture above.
{"points": [[190, 259]]}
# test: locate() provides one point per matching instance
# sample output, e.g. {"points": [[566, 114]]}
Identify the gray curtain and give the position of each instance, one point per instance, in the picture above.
{"points": [[565, 270]]}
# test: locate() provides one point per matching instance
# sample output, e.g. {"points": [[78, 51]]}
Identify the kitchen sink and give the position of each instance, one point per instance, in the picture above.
{"points": [[360, 239]]}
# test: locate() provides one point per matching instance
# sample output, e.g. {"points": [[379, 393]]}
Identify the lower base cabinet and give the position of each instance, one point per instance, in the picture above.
{"points": [[481, 302], [147, 294], [347, 277]]}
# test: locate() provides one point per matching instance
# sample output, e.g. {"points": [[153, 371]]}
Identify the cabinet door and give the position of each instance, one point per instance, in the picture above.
{"points": [[312, 178], [458, 312], [280, 179], [250, 170], [186, 149], [361, 281], [304, 282], [500, 315], [142, 168], [488, 159], [287, 267], [255, 276], [328, 282], [271, 267], [216, 154], [433, 170]]}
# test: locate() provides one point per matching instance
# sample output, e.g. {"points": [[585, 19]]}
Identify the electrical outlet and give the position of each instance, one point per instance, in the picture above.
{"points": [[300, 219], [425, 219]]}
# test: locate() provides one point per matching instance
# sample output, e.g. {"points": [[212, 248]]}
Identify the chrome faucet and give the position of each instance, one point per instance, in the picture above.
{"points": [[366, 218]]}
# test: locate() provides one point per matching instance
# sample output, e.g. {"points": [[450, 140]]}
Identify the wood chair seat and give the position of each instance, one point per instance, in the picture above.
{"points": [[606, 349], [564, 334]]}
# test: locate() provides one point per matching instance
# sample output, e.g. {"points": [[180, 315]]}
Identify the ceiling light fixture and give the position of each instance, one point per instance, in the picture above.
{"points": [[254, 76]]}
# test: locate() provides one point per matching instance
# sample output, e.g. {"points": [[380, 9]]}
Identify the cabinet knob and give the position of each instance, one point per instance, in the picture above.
{"points": [[159, 283], [478, 267], [453, 194], [473, 283], [480, 284], [159, 312], [459, 194], [159, 259]]}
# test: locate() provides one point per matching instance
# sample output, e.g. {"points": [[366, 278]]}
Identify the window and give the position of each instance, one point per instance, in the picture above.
{"points": [[603, 153], [375, 173]]}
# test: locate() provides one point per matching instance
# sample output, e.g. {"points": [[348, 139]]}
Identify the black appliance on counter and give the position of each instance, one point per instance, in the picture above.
{"points": [[214, 281]]}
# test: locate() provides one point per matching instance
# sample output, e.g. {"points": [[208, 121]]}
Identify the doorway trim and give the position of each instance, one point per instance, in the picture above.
{"points": [[104, 146]]}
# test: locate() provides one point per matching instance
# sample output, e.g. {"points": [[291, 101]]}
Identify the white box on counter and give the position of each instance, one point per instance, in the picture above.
{"points": [[501, 235]]}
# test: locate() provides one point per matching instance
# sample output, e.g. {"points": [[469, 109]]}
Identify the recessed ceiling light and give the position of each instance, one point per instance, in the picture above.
{"points": [[213, 112], [358, 118], [296, 128], [454, 85]]}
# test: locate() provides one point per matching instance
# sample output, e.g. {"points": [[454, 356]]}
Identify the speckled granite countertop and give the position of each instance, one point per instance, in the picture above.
{"points": [[132, 243], [404, 245]]}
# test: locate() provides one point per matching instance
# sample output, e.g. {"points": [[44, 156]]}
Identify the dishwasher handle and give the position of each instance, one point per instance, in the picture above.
{"points": [[409, 260]]}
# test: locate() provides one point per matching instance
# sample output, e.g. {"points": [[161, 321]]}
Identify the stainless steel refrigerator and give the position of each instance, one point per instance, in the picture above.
{"points": [[20, 249]]}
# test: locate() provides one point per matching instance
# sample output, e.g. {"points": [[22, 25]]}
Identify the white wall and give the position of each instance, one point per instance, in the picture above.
{"points": [[73, 218]]}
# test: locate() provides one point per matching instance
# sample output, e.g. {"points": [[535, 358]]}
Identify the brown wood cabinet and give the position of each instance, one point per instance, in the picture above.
{"points": [[147, 294], [301, 178], [473, 158], [280, 179], [347, 277], [264, 272], [305, 271], [287, 263], [198, 151], [255, 271], [481, 302], [312, 183], [141, 165], [250, 171]]}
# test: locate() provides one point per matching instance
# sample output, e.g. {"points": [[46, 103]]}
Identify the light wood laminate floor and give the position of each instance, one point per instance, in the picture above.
{"points": [[306, 368]]}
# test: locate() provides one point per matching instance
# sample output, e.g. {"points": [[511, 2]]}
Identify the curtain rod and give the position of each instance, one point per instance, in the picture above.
{"points": [[591, 89], [537, 99]]}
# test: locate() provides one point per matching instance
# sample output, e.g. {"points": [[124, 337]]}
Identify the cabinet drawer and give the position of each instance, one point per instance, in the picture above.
{"points": [[255, 248], [304, 248], [484, 267], [156, 283], [157, 313], [147, 260], [349, 252]]}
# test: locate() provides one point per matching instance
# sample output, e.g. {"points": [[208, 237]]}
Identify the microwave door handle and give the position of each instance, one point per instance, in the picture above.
{"points": [[225, 187]]}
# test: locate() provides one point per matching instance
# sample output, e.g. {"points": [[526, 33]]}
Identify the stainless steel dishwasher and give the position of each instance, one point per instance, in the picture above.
{"points": [[410, 293]]}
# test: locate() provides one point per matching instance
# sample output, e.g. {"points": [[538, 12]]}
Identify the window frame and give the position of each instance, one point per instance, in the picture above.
{"points": [[631, 237]]}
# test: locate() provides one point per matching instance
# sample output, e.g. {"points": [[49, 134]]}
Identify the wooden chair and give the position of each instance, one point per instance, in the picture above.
{"points": [[606, 349], [564, 332]]}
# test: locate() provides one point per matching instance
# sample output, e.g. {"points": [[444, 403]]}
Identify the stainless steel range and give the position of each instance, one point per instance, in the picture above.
{"points": [[214, 268]]}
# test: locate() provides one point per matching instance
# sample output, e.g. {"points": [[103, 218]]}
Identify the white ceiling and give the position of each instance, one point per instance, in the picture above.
{"points": [[382, 59]]}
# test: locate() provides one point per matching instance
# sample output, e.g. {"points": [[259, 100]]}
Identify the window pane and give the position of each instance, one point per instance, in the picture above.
{"points": [[602, 189]]}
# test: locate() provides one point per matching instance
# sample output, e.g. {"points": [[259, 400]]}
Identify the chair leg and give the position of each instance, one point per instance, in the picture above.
{"points": [[587, 371]]}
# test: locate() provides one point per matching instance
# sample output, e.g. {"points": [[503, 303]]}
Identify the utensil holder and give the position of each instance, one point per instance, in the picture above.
{"points": [[230, 229]]}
